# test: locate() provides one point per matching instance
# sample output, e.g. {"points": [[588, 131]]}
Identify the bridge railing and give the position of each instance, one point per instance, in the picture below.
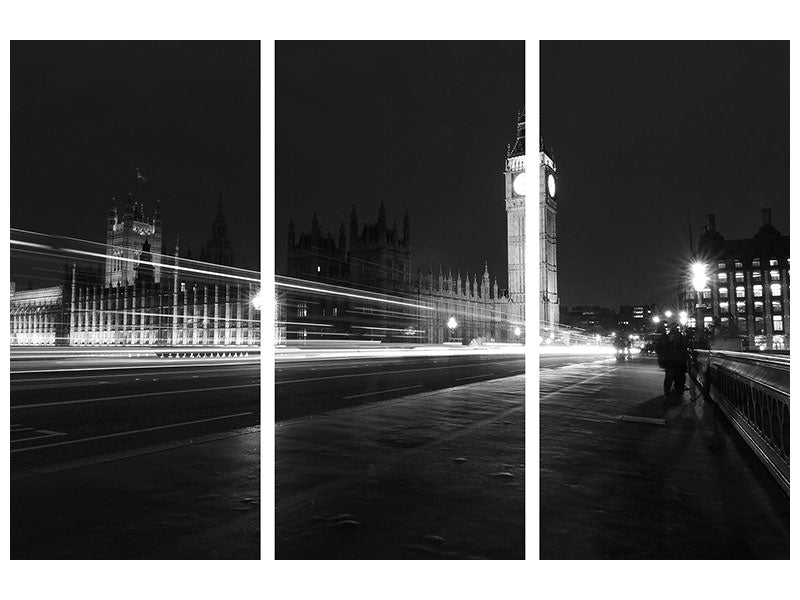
{"points": [[753, 392]]}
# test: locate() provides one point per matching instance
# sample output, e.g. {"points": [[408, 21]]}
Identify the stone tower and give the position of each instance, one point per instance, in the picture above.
{"points": [[218, 250], [548, 266], [125, 238], [516, 189]]}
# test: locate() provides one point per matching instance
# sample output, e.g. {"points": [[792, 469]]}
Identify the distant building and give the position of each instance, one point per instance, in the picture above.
{"points": [[378, 260], [747, 295], [133, 302], [419, 307], [125, 237], [218, 250], [516, 190]]}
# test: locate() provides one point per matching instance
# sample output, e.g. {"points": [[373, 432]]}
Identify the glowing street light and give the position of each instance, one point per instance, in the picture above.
{"points": [[517, 331], [256, 301], [699, 278], [656, 319], [683, 317], [452, 323], [668, 313]]}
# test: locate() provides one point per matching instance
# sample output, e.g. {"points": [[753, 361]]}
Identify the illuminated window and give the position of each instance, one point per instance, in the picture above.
{"points": [[758, 291], [777, 307], [740, 306], [756, 262], [777, 323], [302, 310], [737, 264], [724, 321], [723, 292], [706, 294], [775, 290], [721, 265], [741, 323], [773, 262], [740, 291], [724, 307], [739, 277], [774, 276], [183, 286], [759, 325], [335, 311], [722, 277], [756, 275], [758, 307]]}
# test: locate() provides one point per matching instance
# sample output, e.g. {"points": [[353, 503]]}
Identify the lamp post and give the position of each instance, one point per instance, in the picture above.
{"points": [[452, 324]]}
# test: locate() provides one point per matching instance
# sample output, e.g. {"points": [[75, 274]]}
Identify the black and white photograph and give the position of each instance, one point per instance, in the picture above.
{"points": [[664, 332], [135, 300], [400, 300]]}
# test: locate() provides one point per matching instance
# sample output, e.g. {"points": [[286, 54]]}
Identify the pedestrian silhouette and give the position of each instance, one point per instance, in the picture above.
{"points": [[672, 357]]}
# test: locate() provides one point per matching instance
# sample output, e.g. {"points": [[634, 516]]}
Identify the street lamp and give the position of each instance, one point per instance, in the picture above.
{"points": [[452, 324], [517, 331], [656, 319], [668, 313], [256, 301], [699, 281]]}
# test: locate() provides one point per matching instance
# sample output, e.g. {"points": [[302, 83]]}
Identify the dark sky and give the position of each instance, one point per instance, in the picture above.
{"points": [[85, 115], [417, 124], [645, 133]]}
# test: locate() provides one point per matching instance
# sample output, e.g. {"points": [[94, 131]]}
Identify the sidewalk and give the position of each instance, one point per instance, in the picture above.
{"points": [[193, 501], [432, 475], [627, 473]]}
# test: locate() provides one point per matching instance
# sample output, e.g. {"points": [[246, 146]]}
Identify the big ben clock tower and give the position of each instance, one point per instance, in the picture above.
{"points": [[548, 267], [516, 189]]}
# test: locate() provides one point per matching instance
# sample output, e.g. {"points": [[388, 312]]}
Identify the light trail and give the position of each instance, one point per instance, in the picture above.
{"points": [[377, 373], [577, 350], [347, 293]]}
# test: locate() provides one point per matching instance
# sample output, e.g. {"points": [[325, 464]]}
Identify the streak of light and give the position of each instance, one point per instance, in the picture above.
{"points": [[175, 364], [362, 295], [374, 350], [402, 329], [244, 275], [131, 432], [577, 350]]}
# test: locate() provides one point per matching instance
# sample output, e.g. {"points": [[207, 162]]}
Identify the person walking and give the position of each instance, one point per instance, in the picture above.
{"points": [[675, 356]]}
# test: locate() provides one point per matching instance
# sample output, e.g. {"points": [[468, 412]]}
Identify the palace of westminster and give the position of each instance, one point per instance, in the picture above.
{"points": [[142, 296], [396, 304]]}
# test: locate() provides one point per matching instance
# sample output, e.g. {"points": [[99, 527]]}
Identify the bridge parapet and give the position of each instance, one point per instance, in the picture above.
{"points": [[753, 392]]}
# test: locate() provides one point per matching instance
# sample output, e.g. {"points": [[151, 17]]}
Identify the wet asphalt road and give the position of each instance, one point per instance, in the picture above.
{"points": [[147, 459], [312, 387], [59, 416]]}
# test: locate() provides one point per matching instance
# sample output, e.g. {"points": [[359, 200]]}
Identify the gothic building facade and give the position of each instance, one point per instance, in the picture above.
{"points": [[361, 284], [548, 265], [144, 298], [125, 237]]}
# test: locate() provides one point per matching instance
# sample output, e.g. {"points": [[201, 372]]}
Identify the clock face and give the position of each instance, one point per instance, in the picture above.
{"points": [[551, 185], [519, 184]]}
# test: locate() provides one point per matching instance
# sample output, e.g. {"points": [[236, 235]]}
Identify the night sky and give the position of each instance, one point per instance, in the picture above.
{"points": [[422, 125], [645, 134], [85, 115]]}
